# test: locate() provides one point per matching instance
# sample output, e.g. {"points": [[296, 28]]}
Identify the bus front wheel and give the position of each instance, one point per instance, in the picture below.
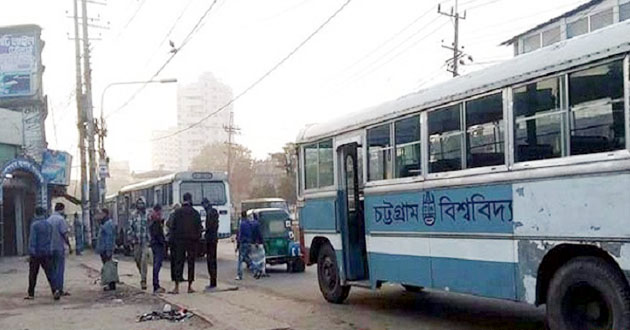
{"points": [[328, 276], [588, 293]]}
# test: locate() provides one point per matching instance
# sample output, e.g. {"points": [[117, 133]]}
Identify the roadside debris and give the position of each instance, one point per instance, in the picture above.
{"points": [[167, 313]]}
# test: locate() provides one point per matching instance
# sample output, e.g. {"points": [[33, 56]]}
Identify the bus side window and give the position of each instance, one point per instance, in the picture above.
{"points": [[379, 153], [597, 118], [485, 131], [445, 139], [407, 138], [538, 121]]}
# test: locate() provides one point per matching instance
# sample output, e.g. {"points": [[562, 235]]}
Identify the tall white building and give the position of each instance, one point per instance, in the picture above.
{"points": [[195, 102]]}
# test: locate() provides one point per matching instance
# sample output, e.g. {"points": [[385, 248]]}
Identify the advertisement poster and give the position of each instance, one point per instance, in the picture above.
{"points": [[56, 167], [18, 63]]}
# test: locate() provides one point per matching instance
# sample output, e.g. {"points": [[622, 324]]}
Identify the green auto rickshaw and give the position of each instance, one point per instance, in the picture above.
{"points": [[278, 238]]}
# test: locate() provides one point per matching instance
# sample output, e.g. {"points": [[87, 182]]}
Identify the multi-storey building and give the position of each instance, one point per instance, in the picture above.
{"points": [[197, 106]]}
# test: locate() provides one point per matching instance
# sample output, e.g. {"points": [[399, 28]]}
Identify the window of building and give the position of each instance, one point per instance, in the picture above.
{"points": [[407, 136], [624, 11], [445, 139], [531, 43], [537, 120], [551, 36], [485, 131], [597, 109], [326, 175], [601, 19], [577, 28], [379, 153], [310, 165]]}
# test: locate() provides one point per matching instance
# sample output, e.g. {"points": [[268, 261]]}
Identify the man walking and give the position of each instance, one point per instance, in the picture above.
{"points": [[211, 237], [158, 245], [186, 229], [244, 239], [59, 236], [139, 237], [105, 245], [39, 250]]}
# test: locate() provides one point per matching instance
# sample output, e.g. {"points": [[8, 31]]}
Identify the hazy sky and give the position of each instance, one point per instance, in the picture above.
{"points": [[363, 57]]}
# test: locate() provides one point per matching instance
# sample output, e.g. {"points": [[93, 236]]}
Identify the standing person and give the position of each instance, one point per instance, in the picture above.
{"points": [[40, 252], [105, 245], [211, 237], [59, 236], [158, 245], [257, 242], [171, 243], [139, 237], [186, 229], [78, 234], [244, 239]]}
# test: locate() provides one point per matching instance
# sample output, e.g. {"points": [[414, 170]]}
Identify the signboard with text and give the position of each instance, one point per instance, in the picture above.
{"points": [[56, 166], [19, 61]]}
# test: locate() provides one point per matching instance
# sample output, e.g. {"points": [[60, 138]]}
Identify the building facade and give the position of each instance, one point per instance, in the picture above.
{"points": [[30, 174], [195, 102], [589, 17]]}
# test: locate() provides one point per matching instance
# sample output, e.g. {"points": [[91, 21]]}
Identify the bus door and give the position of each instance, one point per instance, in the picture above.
{"points": [[352, 222]]}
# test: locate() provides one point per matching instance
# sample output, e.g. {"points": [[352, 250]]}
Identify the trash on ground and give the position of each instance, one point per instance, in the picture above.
{"points": [[167, 314]]}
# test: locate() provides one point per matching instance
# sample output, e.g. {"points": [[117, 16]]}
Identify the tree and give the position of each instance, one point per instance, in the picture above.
{"points": [[287, 160], [214, 158]]}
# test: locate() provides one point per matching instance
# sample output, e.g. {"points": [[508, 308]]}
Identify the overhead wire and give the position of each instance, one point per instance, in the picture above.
{"points": [[174, 52], [264, 76]]}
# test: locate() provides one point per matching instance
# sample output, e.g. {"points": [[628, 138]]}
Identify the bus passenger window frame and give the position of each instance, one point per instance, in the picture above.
{"points": [[303, 169], [404, 147], [388, 150], [458, 134], [471, 130]]}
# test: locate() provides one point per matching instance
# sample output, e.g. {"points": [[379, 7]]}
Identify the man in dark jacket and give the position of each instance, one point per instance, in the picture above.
{"points": [[186, 229], [40, 252], [212, 237], [158, 245]]}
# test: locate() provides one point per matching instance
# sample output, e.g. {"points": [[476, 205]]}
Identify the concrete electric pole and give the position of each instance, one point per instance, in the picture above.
{"points": [[89, 118], [85, 216], [231, 130], [454, 62]]}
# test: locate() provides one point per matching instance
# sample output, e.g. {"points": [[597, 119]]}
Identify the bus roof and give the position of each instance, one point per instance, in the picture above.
{"points": [[600, 44], [184, 176], [260, 200]]}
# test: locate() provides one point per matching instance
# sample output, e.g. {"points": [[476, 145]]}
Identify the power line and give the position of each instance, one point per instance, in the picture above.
{"points": [[265, 75], [390, 39], [131, 19], [174, 52]]}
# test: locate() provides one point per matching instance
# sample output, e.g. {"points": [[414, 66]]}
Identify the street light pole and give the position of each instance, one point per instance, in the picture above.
{"points": [[102, 133]]}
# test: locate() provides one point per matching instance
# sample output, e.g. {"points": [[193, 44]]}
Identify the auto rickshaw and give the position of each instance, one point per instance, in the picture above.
{"points": [[278, 238]]}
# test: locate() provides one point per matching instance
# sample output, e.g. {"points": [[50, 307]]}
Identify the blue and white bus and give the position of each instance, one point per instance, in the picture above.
{"points": [[512, 182]]}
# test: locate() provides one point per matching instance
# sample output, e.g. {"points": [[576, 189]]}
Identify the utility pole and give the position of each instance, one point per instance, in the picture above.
{"points": [[89, 115], [454, 62], [85, 218], [231, 130]]}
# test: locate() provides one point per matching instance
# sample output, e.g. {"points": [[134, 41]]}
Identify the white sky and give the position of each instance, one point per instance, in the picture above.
{"points": [[358, 60]]}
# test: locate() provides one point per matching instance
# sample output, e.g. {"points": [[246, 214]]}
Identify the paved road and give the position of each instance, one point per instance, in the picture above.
{"points": [[388, 308]]}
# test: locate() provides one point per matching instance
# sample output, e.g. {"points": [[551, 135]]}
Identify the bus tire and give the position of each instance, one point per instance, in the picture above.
{"points": [[328, 276], [588, 293]]}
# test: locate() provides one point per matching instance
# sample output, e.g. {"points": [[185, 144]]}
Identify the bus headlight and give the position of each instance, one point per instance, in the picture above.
{"points": [[287, 223], [291, 236]]}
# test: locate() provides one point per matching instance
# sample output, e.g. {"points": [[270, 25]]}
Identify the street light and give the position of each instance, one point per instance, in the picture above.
{"points": [[102, 130]]}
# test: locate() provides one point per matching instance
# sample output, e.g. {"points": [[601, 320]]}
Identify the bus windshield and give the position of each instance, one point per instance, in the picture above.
{"points": [[246, 206], [214, 191]]}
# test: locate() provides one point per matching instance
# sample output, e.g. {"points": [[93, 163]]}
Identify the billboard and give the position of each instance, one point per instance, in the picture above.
{"points": [[56, 166], [19, 60]]}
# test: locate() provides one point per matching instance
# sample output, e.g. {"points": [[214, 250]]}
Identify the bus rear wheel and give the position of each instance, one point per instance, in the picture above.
{"points": [[328, 276], [588, 293]]}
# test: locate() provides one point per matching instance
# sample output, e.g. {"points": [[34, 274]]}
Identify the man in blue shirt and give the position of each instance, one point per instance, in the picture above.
{"points": [[39, 250], [58, 238], [244, 239], [105, 243]]}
